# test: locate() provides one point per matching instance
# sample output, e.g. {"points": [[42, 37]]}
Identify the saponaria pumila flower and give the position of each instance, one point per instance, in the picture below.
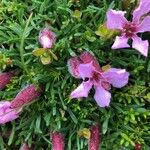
{"points": [[47, 38], [87, 67], [140, 23]]}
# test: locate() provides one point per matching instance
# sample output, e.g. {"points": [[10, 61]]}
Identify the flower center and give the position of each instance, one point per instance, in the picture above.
{"points": [[96, 77], [99, 80], [129, 29]]}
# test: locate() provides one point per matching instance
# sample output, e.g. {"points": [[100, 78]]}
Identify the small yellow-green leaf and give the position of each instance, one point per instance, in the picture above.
{"points": [[89, 37], [38, 52], [77, 14], [106, 67], [84, 133], [105, 33], [46, 60]]}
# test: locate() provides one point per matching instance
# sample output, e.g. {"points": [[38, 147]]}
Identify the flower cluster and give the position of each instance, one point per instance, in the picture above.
{"points": [[85, 67]]}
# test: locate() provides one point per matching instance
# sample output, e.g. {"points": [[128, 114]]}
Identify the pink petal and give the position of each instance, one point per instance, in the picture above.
{"points": [[120, 42], [4, 104], [115, 19], [86, 57], [117, 77], [102, 96], [140, 45], [143, 8], [145, 25], [86, 70], [6, 113], [73, 64], [10, 116], [82, 90]]}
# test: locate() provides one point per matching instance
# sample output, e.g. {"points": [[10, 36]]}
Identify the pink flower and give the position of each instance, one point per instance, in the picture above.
{"points": [[26, 95], [5, 78], [129, 29], [47, 38], [94, 141], [87, 68], [57, 141], [6, 113]]}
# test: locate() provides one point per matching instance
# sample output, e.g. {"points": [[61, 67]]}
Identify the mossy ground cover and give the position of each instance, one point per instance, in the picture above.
{"points": [[76, 22]]}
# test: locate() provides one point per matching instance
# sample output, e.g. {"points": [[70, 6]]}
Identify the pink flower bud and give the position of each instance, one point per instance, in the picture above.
{"points": [[6, 113], [26, 95], [25, 147], [138, 146], [47, 38], [57, 141], [5, 78], [94, 141]]}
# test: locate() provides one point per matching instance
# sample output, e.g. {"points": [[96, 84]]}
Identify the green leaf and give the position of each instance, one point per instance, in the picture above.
{"points": [[105, 126], [75, 120], [46, 59], [10, 141], [37, 125], [38, 52]]}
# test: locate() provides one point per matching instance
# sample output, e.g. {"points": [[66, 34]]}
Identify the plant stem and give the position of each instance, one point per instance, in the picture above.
{"points": [[22, 48]]}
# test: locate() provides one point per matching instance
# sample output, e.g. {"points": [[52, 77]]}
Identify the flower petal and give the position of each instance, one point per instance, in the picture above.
{"points": [[143, 8], [7, 114], [86, 57], [115, 19], [73, 64], [117, 77], [102, 96], [86, 70], [140, 45], [82, 90], [145, 25], [4, 104], [120, 42]]}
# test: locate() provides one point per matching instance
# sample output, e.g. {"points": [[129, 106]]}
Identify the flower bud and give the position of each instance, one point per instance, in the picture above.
{"points": [[94, 141], [57, 141], [5, 78], [47, 38], [26, 95]]}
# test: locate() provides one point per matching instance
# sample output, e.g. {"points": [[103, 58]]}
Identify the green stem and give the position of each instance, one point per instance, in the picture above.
{"points": [[22, 48]]}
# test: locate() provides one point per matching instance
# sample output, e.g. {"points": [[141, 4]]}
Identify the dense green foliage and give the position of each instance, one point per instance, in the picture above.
{"points": [[123, 124]]}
